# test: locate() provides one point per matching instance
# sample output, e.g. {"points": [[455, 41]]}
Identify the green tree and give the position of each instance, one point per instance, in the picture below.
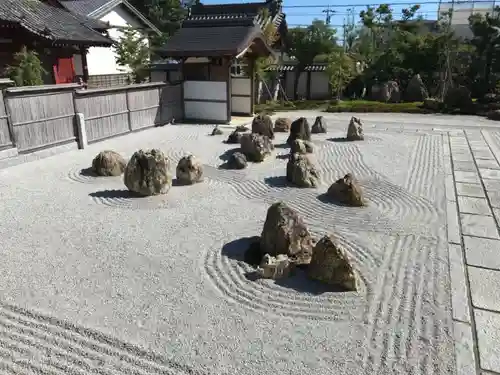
{"points": [[27, 68], [132, 51], [341, 70], [306, 44], [486, 42], [166, 15]]}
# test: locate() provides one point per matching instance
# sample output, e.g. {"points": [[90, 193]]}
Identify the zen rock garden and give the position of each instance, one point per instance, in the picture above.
{"points": [[285, 242]]}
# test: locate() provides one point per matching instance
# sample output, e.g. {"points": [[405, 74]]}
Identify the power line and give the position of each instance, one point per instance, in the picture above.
{"points": [[390, 4]]}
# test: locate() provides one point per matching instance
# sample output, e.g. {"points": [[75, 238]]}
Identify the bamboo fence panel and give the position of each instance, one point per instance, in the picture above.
{"points": [[105, 112], [42, 116]]}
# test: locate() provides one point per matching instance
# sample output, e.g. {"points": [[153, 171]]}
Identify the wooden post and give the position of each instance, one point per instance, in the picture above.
{"points": [[85, 66]]}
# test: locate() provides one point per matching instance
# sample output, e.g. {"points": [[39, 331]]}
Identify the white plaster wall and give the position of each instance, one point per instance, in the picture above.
{"points": [[204, 110], [319, 86], [241, 86], [102, 60]]}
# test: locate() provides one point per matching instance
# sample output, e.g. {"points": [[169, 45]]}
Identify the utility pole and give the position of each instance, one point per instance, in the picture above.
{"points": [[329, 12]]}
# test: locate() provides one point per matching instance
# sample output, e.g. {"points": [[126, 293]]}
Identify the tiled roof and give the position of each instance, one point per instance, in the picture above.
{"points": [[84, 7], [50, 22], [208, 13], [210, 41], [288, 67]]}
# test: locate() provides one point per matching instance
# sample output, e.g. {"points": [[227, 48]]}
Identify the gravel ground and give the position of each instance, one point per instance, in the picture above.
{"points": [[92, 281]]}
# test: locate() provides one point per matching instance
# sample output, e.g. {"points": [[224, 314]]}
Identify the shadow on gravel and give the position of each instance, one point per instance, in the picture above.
{"points": [[122, 193], [325, 198], [282, 145], [340, 140], [245, 249], [228, 153], [277, 182], [88, 172]]}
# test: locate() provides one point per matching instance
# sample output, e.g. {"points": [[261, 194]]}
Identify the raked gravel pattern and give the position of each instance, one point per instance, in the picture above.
{"points": [[94, 281]]}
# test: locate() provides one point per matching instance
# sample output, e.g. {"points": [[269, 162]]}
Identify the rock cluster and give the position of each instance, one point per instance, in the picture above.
{"points": [[299, 146], [282, 125], [263, 125], [330, 265], [319, 125], [147, 173], [347, 191], [274, 267], [301, 172], [286, 242], [255, 146], [355, 130], [108, 163], [285, 233], [299, 130], [189, 170]]}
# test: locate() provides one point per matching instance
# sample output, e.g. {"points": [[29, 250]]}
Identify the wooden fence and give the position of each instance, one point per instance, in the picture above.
{"points": [[38, 117]]}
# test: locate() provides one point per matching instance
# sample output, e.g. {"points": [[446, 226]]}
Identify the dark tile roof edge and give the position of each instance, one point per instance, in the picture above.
{"points": [[113, 3]]}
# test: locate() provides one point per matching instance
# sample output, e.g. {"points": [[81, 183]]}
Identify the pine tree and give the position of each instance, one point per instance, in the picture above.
{"points": [[27, 69], [133, 51]]}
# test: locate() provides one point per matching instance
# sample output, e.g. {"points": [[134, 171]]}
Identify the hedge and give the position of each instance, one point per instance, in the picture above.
{"points": [[381, 107]]}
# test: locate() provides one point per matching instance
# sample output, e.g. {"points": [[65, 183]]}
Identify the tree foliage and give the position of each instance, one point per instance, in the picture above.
{"points": [[27, 69], [306, 44], [132, 51], [341, 70]]}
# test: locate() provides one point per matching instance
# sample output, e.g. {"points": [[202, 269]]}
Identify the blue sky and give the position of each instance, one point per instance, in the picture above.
{"points": [[310, 9]]}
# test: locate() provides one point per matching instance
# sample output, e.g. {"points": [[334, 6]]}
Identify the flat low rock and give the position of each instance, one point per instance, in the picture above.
{"points": [[217, 131], [355, 130], [282, 125], [189, 170], [330, 265], [278, 267], [285, 233], [234, 137], [255, 147], [147, 173], [319, 125], [108, 163], [237, 160], [301, 172], [347, 191]]}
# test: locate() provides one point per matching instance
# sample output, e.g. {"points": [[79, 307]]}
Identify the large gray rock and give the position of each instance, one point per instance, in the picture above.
{"points": [[285, 233], [416, 90], [282, 125], [493, 115], [301, 172], [319, 125], [255, 147], [147, 173], [263, 125], [237, 160], [347, 191], [278, 267], [386, 92], [299, 130], [189, 170], [355, 130], [108, 163], [458, 97], [330, 265]]}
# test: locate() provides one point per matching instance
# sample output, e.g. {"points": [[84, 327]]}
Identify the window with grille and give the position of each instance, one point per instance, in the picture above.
{"points": [[238, 68]]}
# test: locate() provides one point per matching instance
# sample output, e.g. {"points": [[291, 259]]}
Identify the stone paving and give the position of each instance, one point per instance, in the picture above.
{"points": [[473, 208]]}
